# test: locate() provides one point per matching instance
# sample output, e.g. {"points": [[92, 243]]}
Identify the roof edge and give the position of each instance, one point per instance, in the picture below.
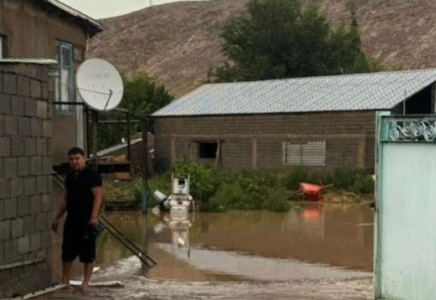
{"points": [[90, 25]]}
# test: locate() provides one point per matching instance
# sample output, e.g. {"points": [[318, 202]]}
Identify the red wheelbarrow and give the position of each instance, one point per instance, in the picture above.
{"points": [[313, 192]]}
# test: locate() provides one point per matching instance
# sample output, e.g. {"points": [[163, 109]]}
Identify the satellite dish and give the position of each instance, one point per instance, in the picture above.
{"points": [[99, 84]]}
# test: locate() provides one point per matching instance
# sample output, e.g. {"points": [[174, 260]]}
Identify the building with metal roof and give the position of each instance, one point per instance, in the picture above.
{"points": [[319, 122], [357, 92]]}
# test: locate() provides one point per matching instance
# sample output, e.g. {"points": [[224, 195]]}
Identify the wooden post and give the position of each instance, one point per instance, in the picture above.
{"points": [[218, 153], [173, 152], [254, 153]]}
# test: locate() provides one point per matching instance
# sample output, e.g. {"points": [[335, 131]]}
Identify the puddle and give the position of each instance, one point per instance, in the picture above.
{"points": [[320, 252]]}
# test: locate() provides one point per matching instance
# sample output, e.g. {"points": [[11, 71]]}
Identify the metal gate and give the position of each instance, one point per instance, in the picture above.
{"points": [[405, 254]]}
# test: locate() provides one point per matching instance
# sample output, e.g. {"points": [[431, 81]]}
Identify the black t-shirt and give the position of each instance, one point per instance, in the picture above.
{"points": [[80, 198]]}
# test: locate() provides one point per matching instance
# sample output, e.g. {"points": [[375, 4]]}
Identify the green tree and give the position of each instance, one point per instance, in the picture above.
{"points": [[283, 39], [142, 96]]}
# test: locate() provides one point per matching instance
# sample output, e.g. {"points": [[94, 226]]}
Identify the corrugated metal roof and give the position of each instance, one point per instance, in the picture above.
{"points": [[112, 149], [372, 91], [75, 13]]}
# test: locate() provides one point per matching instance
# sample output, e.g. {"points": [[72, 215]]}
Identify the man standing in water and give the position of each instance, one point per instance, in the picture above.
{"points": [[81, 202]]}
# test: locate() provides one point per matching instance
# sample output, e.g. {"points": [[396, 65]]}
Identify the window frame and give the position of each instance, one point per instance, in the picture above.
{"points": [[203, 143], [304, 158], [61, 108]]}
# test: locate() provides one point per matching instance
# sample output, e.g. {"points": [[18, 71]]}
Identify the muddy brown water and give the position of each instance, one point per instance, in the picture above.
{"points": [[316, 241]]}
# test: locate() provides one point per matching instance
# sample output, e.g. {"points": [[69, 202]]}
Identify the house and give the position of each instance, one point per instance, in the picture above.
{"points": [[38, 39], [52, 30], [319, 122]]}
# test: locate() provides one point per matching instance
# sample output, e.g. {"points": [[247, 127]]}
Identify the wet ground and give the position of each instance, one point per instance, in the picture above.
{"points": [[312, 252]]}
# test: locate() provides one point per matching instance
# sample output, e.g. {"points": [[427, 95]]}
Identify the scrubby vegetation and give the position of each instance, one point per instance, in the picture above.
{"points": [[220, 190]]}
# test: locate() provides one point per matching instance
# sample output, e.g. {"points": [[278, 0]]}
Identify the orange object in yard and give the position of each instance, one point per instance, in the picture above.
{"points": [[312, 191]]}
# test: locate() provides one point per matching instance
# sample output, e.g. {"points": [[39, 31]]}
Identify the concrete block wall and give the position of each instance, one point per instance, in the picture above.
{"points": [[25, 167], [255, 141]]}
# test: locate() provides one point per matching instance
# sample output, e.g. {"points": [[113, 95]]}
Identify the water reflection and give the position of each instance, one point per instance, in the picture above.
{"points": [[210, 246]]}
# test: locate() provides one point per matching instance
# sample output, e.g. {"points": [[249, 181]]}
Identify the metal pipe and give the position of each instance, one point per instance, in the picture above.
{"points": [[94, 137], [129, 148], [144, 167]]}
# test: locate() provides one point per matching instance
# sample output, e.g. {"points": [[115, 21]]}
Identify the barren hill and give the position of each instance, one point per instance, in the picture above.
{"points": [[177, 43]]}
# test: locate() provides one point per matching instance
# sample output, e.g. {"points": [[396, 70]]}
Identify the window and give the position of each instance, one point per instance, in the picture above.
{"points": [[310, 153], [207, 150], [65, 78], [3, 47]]}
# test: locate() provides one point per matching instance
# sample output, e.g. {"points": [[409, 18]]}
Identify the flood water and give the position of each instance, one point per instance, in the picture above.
{"points": [[313, 241]]}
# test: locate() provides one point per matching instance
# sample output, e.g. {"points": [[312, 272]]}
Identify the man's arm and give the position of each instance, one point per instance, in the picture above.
{"points": [[61, 211], [97, 191]]}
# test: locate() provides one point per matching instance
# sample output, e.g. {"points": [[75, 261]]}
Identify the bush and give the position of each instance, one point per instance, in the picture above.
{"points": [[292, 180], [364, 185], [278, 201], [226, 197]]}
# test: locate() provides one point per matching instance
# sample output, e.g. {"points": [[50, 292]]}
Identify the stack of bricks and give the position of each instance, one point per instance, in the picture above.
{"points": [[25, 164]]}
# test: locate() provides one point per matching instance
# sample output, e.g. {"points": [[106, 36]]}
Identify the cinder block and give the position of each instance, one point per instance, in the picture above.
{"points": [[24, 126], [50, 149], [11, 249], [2, 168], [23, 166], [41, 147], [35, 241], [9, 84], [41, 222], [2, 210], [24, 244], [41, 185], [18, 145], [47, 129], [5, 104], [49, 184], [5, 188], [11, 126], [30, 107], [30, 146], [35, 89], [17, 188], [17, 226], [36, 165], [5, 230], [36, 204], [29, 224], [29, 186], [17, 105], [11, 208], [47, 164], [23, 206], [41, 109], [2, 125], [5, 147], [47, 203], [11, 167], [45, 91], [23, 86], [36, 125]]}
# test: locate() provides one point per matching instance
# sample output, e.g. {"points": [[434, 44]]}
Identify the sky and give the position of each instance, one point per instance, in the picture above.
{"points": [[99, 9]]}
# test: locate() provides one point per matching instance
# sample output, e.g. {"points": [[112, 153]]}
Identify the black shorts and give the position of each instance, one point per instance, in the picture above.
{"points": [[78, 243]]}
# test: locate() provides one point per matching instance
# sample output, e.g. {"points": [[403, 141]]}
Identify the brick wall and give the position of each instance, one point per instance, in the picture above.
{"points": [[25, 171], [255, 141]]}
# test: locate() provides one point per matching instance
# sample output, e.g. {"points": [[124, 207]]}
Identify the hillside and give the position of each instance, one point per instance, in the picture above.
{"points": [[177, 43]]}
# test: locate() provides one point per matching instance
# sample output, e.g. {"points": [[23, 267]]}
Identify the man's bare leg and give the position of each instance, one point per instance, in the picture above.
{"points": [[88, 272], [66, 269]]}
